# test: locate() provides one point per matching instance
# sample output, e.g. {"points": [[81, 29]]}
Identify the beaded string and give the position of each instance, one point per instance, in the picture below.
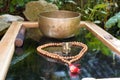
{"points": [[65, 59]]}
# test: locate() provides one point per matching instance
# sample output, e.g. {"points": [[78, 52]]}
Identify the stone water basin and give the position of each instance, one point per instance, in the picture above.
{"points": [[28, 65]]}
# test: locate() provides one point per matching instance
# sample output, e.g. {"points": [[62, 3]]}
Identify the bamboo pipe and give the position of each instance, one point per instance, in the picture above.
{"points": [[30, 24], [109, 40], [7, 48], [20, 37]]}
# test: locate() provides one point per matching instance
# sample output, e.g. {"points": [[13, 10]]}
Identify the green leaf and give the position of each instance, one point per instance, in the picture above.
{"points": [[118, 14], [100, 6], [12, 9], [118, 23], [13, 2], [111, 22], [20, 2]]}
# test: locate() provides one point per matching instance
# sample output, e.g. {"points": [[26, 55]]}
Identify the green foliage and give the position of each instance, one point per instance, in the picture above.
{"points": [[15, 3], [96, 44], [60, 3], [1, 3], [113, 21], [13, 6], [97, 13]]}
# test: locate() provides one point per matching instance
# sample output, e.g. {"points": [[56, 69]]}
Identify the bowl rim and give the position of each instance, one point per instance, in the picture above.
{"points": [[40, 15]]}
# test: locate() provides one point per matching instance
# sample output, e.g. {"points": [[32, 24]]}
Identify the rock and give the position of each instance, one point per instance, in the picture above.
{"points": [[10, 18], [34, 8], [5, 22], [34, 33], [3, 27]]}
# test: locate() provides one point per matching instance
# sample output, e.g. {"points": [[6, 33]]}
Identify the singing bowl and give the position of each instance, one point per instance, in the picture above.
{"points": [[59, 24]]}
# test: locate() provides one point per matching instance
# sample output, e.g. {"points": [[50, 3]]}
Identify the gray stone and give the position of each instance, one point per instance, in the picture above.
{"points": [[10, 18], [5, 22], [4, 25], [34, 8]]}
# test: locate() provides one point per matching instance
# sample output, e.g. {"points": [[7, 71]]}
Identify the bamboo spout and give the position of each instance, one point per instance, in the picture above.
{"points": [[7, 48], [109, 40]]}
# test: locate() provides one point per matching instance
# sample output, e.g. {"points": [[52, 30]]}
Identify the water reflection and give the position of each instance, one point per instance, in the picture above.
{"points": [[28, 65], [19, 51]]}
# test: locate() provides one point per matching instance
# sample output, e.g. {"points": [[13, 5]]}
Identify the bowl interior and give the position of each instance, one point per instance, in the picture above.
{"points": [[60, 14]]}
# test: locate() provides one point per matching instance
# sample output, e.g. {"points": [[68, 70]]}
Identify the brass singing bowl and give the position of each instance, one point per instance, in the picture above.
{"points": [[59, 24]]}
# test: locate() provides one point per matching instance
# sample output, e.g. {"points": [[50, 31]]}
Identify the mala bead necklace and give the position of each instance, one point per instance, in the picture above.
{"points": [[65, 49]]}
